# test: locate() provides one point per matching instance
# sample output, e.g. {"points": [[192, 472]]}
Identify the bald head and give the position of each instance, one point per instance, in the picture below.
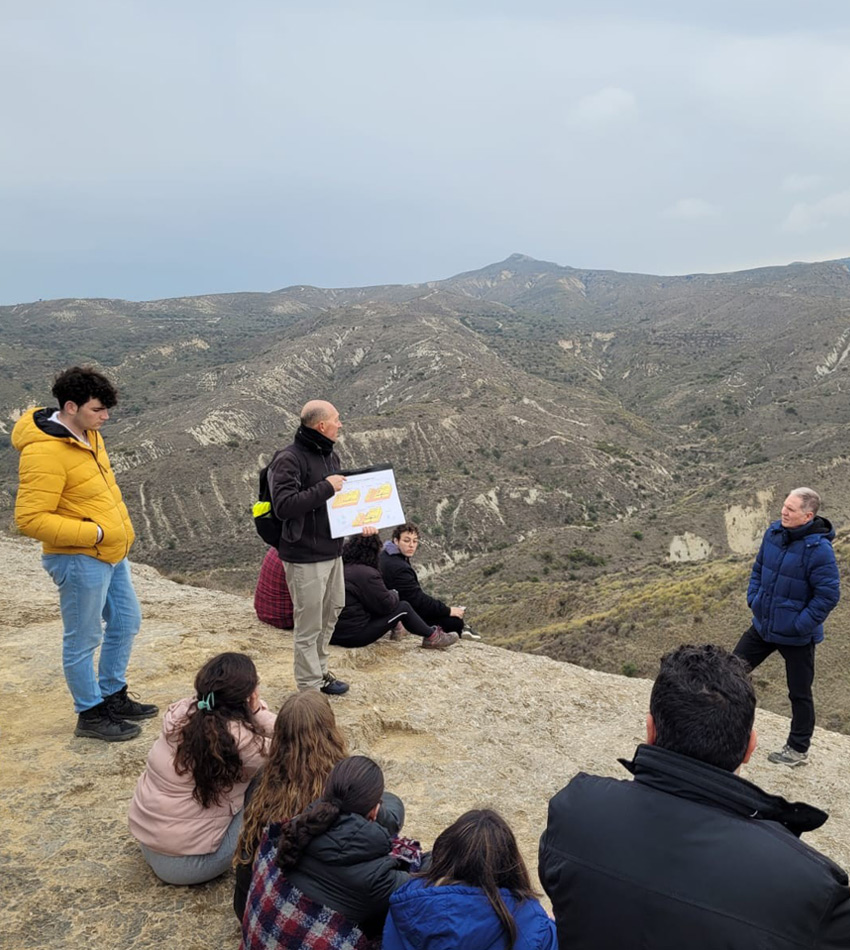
{"points": [[322, 416]]}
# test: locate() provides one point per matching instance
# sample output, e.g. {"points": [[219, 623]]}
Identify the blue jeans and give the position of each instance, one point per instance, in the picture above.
{"points": [[92, 593]]}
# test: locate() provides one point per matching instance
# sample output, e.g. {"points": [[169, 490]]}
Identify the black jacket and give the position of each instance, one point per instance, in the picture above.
{"points": [[399, 575], [390, 816], [350, 869], [366, 597], [299, 491], [687, 855]]}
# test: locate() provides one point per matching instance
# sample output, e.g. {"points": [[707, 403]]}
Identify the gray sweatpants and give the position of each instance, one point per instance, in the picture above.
{"points": [[318, 596], [195, 868]]}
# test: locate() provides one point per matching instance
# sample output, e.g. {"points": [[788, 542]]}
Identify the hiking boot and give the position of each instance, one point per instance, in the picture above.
{"points": [[440, 639], [124, 707], [788, 756], [332, 686], [100, 722], [398, 632]]}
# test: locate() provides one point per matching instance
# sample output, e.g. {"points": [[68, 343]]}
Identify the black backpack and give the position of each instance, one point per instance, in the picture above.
{"points": [[266, 522]]}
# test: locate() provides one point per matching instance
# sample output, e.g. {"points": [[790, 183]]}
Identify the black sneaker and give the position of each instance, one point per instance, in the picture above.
{"points": [[126, 708], [100, 722], [332, 686]]}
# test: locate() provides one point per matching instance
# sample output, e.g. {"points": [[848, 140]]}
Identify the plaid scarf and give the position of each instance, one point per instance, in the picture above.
{"points": [[278, 916]]}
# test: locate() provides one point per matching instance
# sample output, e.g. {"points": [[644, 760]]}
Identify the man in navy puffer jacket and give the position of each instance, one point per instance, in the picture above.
{"points": [[793, 586]]}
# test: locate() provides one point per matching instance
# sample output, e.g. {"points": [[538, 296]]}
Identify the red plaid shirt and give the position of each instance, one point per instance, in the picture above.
{"points": [[271, 598]]}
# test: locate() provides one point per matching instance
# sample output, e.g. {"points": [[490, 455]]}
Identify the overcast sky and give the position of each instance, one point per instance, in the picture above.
{"points": [[156, 148]]}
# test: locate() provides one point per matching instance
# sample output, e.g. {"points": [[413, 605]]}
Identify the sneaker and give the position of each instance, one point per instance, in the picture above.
{"points": [[332, 686], [398, 632], [440, 639], [469, 634], [100, 722], [125, 707], [788, 756]]}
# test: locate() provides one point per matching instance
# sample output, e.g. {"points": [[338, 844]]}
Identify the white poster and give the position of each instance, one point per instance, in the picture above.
{"points": [[367, 498]]}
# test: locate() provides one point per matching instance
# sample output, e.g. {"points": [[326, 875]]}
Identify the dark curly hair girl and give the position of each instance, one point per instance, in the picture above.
{"points": [[224, 687]]}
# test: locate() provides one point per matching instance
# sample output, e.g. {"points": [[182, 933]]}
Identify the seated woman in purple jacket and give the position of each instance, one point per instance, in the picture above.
{"points": [[475, 895], [371, 610]]}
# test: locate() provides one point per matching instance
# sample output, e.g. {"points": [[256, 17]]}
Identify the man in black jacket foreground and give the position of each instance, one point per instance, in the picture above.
{"points": [[688, 854]]}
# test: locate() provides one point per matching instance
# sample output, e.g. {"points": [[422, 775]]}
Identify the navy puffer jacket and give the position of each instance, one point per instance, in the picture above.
{"points": [[794, 583]]}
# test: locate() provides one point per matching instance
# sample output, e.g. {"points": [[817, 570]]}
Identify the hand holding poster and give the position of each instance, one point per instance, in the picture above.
{"points": [[368, 497]]}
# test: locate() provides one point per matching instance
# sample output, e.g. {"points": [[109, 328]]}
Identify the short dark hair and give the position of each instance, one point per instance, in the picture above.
{"points": [[408, 527], [79, 384], [362, 549], [704, 705]]}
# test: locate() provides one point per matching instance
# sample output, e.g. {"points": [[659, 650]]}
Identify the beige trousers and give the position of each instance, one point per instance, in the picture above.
{"points": [[318, 596]]}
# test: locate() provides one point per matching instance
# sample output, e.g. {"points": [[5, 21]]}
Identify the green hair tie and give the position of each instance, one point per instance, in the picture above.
{"points": [[206, 704]]}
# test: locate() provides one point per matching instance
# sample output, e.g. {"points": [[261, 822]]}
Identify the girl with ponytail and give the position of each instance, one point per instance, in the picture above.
{"points": [[305, 746], [187, 809], [335, 853], [475, 895]]}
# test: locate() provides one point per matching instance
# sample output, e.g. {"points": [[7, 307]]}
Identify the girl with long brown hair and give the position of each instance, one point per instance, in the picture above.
{"points": [[187, 809], [476, 894], [305, 746]]}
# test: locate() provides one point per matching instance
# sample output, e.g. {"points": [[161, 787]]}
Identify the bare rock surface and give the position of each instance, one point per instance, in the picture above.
{"points": [[474, 726]]}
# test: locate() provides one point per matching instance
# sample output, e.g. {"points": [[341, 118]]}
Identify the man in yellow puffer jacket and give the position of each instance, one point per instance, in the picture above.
{"points": [[69, 500]]}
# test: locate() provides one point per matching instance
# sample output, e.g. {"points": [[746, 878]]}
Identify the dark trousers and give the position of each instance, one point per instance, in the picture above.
{"points": [[378, 626], [446, 621], [799, 675]]}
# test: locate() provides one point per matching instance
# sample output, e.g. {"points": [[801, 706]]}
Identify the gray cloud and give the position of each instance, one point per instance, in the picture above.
{"points": [[159, 149]]}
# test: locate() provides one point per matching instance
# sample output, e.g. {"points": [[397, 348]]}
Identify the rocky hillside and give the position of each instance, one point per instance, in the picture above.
{"points": [[593, 456], [473, 726]]}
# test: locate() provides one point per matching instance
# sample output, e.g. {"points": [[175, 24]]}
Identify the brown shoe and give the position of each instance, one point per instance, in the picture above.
{"points": [[398, 632], [440, 639]]}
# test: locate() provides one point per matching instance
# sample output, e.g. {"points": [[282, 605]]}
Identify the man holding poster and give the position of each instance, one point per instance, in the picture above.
{"points": [[302, 478]]}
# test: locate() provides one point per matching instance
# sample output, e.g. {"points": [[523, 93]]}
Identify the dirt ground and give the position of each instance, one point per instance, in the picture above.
{"points": [[473, 726]]}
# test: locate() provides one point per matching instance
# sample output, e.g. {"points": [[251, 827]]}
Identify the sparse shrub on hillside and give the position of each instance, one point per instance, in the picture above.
{"points": [[629, 669], [492, 569], [580, 556], [637, 535]]}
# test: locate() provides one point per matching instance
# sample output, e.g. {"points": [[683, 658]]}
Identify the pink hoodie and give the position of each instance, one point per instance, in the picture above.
{"points": [[163, 814]]}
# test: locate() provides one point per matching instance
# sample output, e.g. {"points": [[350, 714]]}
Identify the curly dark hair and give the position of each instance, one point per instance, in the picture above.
{"points": [[206, 746], [362, 549], [407, 528], [79, 384], [354, 787]]}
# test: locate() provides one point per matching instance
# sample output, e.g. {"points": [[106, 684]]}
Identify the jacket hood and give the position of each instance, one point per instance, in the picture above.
{"points": [[697, 781], [391, 548], [816, 528], [175, 716], [352, 839], [35, 426]]}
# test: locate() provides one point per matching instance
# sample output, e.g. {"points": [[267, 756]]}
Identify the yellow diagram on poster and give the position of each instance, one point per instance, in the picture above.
{"points": [[367, 497]]}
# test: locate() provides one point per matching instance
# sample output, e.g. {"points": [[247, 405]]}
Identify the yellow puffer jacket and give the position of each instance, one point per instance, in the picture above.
{"points": [[66, 490]]}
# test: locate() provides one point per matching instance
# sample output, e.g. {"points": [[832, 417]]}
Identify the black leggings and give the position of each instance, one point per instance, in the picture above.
{"points": [[378, 626]]}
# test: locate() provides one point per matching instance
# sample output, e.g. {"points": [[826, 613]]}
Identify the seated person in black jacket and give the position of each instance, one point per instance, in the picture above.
{"points": [[688, 854], [336, 854], [371, 610], [398, 574]]}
